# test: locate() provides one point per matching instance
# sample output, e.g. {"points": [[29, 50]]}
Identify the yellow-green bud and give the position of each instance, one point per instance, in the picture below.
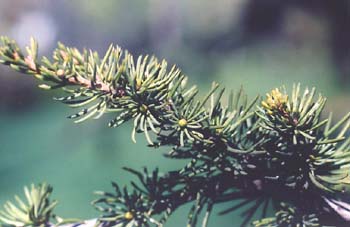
{"points": [[275, 100], [143, 108], [182, 123], [128, 215]]}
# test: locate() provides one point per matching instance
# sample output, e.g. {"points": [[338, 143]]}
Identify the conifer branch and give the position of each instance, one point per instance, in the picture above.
{"points": [[279, 152]]}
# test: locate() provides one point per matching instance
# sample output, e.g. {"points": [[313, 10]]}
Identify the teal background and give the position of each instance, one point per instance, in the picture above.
{"points": [[38, 144]]}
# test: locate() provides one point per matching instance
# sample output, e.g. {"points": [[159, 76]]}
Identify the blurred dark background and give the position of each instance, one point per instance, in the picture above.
{"points": [[255, 44]]}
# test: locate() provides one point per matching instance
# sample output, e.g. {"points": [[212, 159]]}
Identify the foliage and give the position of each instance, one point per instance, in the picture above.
{"points": [[280, 154], [38, 211]]}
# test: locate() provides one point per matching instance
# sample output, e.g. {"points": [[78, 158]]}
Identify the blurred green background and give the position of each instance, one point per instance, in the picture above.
{"points": [[255, 44]]}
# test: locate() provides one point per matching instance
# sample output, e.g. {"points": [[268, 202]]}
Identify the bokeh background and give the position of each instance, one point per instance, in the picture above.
{"points": [[251, 43]]}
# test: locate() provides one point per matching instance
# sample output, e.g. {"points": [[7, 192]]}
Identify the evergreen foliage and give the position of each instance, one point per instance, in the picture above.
{"points": [[279, 153]]}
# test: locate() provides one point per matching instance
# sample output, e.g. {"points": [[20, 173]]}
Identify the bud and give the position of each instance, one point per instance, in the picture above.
{"points": [[143, 108], [30, 62], [275, 101], [182, 123], [60, 72], [128, 215]]}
